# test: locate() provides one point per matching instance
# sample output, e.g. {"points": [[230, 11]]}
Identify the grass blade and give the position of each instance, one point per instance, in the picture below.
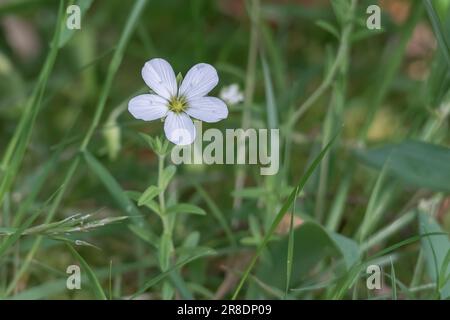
{"points": [[394, 281], [281, 214], [95, 284], [438, 30], [166, 273], [218, 214]]}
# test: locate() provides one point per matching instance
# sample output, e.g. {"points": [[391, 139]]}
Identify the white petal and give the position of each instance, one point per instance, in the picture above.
{"points": [[159, 76], [199, 80], [179, 128], [208, 109], [148, 107]]}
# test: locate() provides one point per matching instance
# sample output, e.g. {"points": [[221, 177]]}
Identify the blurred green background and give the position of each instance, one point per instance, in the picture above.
{"points": [[377, 186]]}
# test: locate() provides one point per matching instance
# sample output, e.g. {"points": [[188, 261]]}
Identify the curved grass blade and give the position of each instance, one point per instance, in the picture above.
{"points": [[95, 284], [281, 214]]}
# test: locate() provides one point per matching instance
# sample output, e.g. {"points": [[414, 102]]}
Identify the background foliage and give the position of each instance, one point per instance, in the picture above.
{"points": [[75, 169]]}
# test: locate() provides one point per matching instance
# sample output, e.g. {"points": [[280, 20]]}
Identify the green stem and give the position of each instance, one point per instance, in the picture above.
{"points": [[166, 248], [162, 203]]}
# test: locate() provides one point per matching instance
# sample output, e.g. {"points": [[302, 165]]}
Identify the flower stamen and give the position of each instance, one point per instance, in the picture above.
{"points": [[177, 104]]}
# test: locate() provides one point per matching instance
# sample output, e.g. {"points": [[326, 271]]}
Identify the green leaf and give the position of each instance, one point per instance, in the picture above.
{"points": [[417, 163], [135, 196], [348, 248], [148, 195], [66, 33], [95, 284], [436, 249], [365, 33], [328, 27], [167, 175], [144, 235], [192, 240], [186, 208], [165, 250], [341, 9]]}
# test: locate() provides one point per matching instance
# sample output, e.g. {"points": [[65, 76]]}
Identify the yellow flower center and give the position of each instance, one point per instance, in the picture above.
{"points": [[177, 104]]}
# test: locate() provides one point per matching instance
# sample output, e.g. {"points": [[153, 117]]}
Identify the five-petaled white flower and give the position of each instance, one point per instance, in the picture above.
{"points": [[177, 104]]}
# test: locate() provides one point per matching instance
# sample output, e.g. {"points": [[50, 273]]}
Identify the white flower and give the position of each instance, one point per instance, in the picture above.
{"points": [[177, 104], [231, 94]]}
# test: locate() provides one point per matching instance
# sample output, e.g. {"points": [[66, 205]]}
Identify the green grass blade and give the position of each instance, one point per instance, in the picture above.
{"points": [[95, 284], [393, 281], [218, 214], [114, 67], [281, 214], [16, 147], [166, 273], [370, 216], [438, 30], [290, 253], [272, 115], [111, 185], [112, 70]]}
